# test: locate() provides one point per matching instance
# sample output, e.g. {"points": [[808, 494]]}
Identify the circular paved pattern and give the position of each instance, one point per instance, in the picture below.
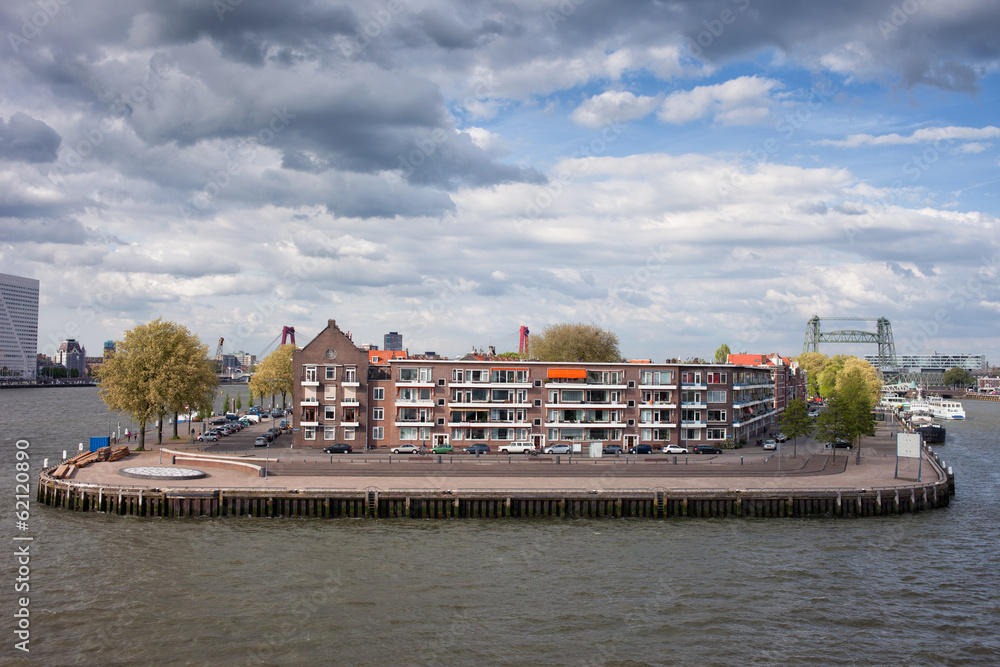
{"points": [[161, 472]]}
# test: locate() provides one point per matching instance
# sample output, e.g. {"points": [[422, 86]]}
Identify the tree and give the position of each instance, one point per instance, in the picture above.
{"points": [[828, 376], [722, 354], [795, 421], [813, 363], [867, 373], [848, 415], [239, 402], [575, 342], [958, 376], [274, 374], [157, 367]]}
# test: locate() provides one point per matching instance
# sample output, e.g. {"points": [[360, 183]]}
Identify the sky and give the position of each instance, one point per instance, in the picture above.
{"points": [[685, 174]]}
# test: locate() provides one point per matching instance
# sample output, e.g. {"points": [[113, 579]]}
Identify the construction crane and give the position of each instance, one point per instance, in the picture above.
{"points": [[218, 356]]}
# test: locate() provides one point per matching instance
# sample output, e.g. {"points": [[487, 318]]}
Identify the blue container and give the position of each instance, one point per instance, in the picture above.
{"points": [[96, 443]]}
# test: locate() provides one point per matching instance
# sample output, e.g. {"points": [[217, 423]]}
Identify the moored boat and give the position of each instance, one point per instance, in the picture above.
{"points": [[932, 433]]}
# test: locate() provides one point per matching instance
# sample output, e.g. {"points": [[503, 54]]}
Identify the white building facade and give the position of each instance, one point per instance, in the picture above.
{"points": [[18, 325]]}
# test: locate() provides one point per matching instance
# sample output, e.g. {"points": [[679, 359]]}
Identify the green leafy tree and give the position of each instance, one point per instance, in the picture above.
{"points": [[157, 368], [722, 354], [225, 403], [848, 415], [239, 403], [828, 376], [855, 366], [813, 363], [274, 374], [575, 342], [795, 421], [958, 376]]}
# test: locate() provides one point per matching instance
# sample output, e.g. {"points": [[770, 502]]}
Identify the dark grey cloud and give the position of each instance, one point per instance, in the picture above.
{"points": [[27, 139], [15, 228]]}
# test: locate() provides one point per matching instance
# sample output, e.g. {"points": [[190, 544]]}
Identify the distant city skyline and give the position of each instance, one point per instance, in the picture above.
{"points": [[684, 174]]}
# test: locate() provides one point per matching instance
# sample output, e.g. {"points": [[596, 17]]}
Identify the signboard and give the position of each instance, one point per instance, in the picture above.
{"points": [[908, 445], [596, 450]]}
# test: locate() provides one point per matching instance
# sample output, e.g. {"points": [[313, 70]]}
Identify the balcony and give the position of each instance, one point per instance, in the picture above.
{"points": [[350, 401], [309, 400]]}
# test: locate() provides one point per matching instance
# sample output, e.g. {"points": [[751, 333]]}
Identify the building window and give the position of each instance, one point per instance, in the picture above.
{"points": [[331, 372], [408, 432], [329, 412], [716, 415], [310, 374], [715, 434], [331, 354], [378, 433], [350, 374], [348, 433], [309, 432], [716, 397], [715, 378], [378, 414], [378, 394], [457, 375], [329, 432]]}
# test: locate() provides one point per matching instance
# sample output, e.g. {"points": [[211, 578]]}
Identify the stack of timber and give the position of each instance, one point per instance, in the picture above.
{"points": [[84, 459]]}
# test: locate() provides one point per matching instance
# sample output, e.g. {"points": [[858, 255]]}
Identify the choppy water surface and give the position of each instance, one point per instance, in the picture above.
{"points": [[917, 589]]}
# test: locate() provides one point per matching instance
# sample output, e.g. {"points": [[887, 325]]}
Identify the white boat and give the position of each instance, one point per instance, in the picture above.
{"points": [[920, 416], [945, 408]]}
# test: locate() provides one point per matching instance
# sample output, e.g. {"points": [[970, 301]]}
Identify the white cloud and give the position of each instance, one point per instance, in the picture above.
{"points": [[613, 105], [948, 135], [740, 101]]}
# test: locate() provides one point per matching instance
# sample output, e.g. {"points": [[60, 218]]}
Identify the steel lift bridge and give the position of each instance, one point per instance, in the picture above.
{"points": [[887, 364]]}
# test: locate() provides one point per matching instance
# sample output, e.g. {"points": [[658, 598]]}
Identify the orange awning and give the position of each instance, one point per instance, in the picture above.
{"points": [[568, 373]]}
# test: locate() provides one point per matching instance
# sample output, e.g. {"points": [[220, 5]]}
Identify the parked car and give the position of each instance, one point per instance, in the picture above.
{"points": [[842, 444], [208, 437], [220, 420], [442, 449], [558, 449], [517, 448], [674, 449], [405, 449], [339, 448], [477, 449], [260, 441], [781, 437], [612, 450], [641, 449], [706, 449], [770, 444], [284, 424]]}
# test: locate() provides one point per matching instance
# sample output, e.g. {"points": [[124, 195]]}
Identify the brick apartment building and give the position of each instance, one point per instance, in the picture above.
{"points": [[343, 393]]}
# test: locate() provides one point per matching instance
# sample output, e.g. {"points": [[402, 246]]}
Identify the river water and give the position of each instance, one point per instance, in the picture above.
{"points": [[105, 590]]}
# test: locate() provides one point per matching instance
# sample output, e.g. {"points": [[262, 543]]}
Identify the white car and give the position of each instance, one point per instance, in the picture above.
{"points": [[517, 448], [208, 437], [770, 444], [405, 449], [781, 437], [675, 449]]}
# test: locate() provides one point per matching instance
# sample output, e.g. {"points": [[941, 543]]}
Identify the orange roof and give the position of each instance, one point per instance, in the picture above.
{"points": [[382, 357]]}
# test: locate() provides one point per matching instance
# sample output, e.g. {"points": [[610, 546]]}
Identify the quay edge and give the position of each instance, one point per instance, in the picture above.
{"points": [[659, 503]]}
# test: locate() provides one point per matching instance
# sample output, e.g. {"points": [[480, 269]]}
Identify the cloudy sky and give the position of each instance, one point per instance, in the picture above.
{"points": [[683, 173]]}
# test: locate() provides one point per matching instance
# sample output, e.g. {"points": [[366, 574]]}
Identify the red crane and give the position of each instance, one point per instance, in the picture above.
{"points": [[286, 334], [523, 346]]}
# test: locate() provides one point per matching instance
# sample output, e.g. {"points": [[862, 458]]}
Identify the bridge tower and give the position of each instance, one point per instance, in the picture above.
{"points": [[886, 365]]}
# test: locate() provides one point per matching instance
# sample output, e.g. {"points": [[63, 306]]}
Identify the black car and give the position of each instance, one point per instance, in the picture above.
{"points": [[612, 449], [706, 449], [642, 449], [477, 449], [339, 448], [841, 444]]}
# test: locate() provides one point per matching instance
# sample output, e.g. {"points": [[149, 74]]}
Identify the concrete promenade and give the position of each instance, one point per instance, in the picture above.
{"points": [[814, 468]]}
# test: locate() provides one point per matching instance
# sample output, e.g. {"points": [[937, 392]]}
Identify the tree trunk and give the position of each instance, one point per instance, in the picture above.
{"points": [[159, 430], [176, 437], [142, 436]]}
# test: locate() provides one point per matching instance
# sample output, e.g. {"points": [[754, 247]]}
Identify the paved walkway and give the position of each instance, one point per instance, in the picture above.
{"points": [[819, 469]]}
